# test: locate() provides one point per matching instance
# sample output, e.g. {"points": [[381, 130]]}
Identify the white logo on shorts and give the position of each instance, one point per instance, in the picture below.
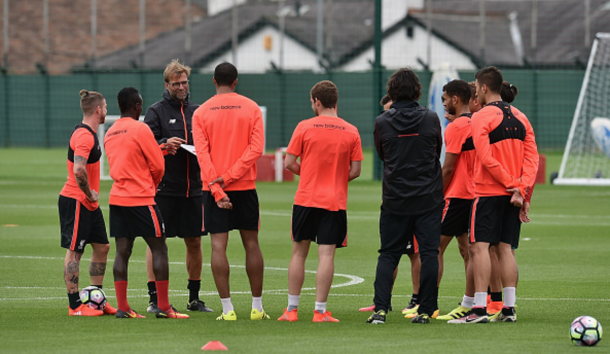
{"points": [[172, 121]]}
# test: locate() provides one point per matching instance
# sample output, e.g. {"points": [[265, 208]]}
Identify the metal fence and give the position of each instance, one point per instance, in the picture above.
{"points": [[281, 49]]}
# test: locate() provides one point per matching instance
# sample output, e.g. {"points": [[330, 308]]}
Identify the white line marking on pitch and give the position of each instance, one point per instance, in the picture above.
{"points": [[353, 279]]}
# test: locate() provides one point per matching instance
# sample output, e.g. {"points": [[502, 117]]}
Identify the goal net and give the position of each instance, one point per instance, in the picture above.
{"points": [[586, 159]]}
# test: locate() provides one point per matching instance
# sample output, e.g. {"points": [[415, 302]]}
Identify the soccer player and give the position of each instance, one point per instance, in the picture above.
{"points": [[179, 194], [331, 155], [457, 176], [229, 138], [411, 251], [408, 140], [506, 166], [494, 299], [457, 170], [80, 216], [136, 166]]}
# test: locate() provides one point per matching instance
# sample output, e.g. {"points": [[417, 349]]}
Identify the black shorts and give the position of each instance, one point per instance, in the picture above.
{"points": [[495, 220], [245, 214], [456, 216], [79, 225], [183, 217], [322, 226], [131, 222]]}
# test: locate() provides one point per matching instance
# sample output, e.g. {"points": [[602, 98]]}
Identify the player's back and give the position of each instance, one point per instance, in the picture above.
{"points": [[504, 128], [228, 122], [328, 145], [136, 163]]}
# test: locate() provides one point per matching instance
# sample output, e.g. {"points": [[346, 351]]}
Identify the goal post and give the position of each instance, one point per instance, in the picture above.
{"points": [[101, 132], [584, 161]]}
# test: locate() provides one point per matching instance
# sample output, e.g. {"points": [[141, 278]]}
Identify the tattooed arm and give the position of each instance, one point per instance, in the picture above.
{"points": [[80, 173]]}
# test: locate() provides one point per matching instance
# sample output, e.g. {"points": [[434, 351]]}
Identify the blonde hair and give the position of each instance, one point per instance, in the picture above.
{"points": [[175, 68], [89, 101]]}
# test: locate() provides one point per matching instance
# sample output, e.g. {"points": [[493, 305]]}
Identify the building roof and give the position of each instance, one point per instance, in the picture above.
{"points": [[560, 34], [351, 24], [349, 30]]}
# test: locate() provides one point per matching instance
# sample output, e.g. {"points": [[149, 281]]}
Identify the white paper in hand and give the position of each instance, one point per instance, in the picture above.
{"points": [[189, 148]]}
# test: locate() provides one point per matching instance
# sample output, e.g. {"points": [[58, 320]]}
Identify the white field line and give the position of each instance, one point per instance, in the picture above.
{"points": [[352, 279]]}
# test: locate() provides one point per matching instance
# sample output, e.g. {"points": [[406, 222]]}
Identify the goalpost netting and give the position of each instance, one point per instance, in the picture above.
{"points": [[584, 161]]}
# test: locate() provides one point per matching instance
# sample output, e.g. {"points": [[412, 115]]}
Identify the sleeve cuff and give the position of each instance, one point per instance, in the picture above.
{"points": [[523, 191], [227, 179], [217, 192]]}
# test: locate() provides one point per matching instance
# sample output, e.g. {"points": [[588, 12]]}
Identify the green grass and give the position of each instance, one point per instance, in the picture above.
{"points": [[563, 263]]}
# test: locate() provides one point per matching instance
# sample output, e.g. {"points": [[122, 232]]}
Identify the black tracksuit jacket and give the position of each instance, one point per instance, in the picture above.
{"points": [[170, 118], [408, 141]]}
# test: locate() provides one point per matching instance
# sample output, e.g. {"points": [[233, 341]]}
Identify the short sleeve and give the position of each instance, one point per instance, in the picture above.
{"points": [[295, 147], [82, 143], [357, 149], [453, 143]]}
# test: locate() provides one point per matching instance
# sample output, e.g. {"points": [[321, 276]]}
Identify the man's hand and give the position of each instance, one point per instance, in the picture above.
{"points": [[516, 199], [220, 181], [225, 203], [94, 197], [173, 144], [523, 213]]}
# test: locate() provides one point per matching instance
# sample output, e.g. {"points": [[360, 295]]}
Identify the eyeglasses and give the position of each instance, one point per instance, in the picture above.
{"points": [[176, 85]]}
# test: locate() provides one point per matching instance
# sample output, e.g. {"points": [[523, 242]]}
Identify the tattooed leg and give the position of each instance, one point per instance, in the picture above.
{"points": [[71, 265], [97, 267]]}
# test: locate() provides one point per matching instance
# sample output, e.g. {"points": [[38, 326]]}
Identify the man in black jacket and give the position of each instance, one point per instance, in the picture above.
{"points": [[179, 195], [408, 141]]}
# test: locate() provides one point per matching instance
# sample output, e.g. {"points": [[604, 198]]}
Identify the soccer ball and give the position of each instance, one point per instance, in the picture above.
{"points": [[586, 331], [94, 297]]}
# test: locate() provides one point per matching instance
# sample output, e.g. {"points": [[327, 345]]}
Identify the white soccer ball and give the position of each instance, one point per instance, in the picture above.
{"points": [[94, 297], [586, 331], [600, 129]]}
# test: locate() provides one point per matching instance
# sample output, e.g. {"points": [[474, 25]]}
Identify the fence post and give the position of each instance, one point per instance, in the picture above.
{"points": [[377, 83]]}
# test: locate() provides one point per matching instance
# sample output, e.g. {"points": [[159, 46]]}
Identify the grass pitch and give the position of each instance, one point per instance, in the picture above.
{"points": [[563, 263]]}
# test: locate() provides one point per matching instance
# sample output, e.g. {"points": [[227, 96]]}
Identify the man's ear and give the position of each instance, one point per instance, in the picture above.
{"points": [[454, 100]]}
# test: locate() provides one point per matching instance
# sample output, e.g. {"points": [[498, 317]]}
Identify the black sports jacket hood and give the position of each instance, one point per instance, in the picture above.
{"points": [[408, 140]]}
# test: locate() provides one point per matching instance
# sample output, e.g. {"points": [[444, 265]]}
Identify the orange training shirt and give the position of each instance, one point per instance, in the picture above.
{"points": [[82, 142], [507, 155], [326, 146], [136, 163], [229, 139], [458, 141]]}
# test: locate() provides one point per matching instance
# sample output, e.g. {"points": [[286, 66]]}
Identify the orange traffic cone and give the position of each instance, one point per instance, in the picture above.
{"points": [[214, 345]]}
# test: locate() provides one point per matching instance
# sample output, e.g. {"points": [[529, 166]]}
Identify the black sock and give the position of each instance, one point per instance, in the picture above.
{"points": [[414, 298], [152, 292], [194, 286], [98, 286], [488, 290], [479, 311], [496, 296], [74, 300]]}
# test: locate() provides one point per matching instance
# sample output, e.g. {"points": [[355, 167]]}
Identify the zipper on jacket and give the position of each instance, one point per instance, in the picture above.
{"points": [[186, 137]]}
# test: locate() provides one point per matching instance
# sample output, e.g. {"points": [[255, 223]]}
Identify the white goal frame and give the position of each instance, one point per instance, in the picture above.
{"points": [[110, 119], [562, 178]]}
